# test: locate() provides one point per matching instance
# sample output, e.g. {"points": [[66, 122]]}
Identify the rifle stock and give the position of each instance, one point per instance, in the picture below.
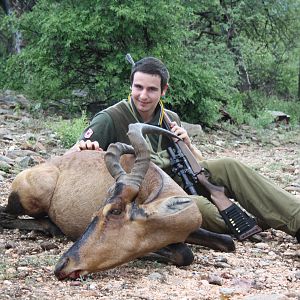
{"points": [[196, 182]]}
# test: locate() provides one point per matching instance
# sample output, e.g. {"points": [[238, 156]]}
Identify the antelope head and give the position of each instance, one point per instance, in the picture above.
{"points": [[129, 225]]}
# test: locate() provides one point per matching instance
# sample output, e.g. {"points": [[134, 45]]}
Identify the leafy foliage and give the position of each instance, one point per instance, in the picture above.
{"points": [[213, 49], [73, 44]]}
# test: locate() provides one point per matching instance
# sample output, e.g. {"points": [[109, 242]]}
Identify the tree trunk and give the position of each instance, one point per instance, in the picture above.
{"points": [[4, 5], [17, 37], [245, 84]]}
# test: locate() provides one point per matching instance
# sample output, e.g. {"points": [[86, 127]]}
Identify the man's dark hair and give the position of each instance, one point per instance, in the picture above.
{"points": [[153, 66]]}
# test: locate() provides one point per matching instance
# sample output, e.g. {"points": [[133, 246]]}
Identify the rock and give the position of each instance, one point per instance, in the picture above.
{"points": [[4, 166], [37, 160], [24, 269], [13, 154], [11, 271], [24, 162], [32, 235], [295, 186], [39, 147], [279, 116], [11, 100], [289, 169], [8, 137], [262, 245], [75, 283], [215, 279], [22, 101], [275, 143], [12, 117], [92, 286], [297, 275], [221, 259], [293, 294], [3, 132], [256, 238], [266, 297], [290, 253], [220, 143], [193, 130], [27, 146], [48, 245], [10, 245], [226, 293], [221, 265], [4, 111], [157, 276], [6, 159]]}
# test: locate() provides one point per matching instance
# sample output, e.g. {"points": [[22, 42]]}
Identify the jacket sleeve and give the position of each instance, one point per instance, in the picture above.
{"points": [[101, 129]]}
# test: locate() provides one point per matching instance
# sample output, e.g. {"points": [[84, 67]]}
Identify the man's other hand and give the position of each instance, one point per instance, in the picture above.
{"points": [[88, 145]]}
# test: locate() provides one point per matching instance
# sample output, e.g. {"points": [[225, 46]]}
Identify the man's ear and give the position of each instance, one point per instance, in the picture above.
{"points": [[164, 90]]}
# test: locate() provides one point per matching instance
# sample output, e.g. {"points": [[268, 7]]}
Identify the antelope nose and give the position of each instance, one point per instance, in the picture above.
{"points": [[59, 268]]}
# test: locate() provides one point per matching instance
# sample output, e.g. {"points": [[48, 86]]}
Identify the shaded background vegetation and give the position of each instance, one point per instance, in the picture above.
{"points": [[241, 56]]}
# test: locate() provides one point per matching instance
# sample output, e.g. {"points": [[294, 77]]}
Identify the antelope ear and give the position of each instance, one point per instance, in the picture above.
{"points": [[176, 214], [163, 208], [175, 205]]}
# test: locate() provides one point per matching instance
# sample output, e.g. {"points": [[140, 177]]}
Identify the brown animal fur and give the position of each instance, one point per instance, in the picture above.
{"points": [[71, 188]]}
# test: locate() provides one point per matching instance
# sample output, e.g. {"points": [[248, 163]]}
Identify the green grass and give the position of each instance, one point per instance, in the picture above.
{"points": [[68, 131]]}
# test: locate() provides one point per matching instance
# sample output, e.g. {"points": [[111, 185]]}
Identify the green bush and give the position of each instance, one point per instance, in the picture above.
{"points": [[236, 109], [80, 45], [290, 107], [259, 116], [196, 92], [264, 120], [74, 45]]}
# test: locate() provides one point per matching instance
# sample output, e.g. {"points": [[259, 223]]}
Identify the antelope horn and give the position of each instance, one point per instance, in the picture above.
{"points": [[136, 136], [112, 159]]}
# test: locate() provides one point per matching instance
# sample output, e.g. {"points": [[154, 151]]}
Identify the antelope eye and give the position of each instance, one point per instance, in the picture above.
{"points": [[116, 211]]}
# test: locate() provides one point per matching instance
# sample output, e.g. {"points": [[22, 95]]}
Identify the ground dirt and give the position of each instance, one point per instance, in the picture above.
{"points": [[265, 268]]}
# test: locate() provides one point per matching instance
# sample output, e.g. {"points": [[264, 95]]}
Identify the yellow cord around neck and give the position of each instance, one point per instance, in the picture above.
{"points": [[162, 109]]}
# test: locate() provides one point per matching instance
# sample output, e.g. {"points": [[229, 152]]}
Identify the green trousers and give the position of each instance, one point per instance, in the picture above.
{"points": [[263, 199]]}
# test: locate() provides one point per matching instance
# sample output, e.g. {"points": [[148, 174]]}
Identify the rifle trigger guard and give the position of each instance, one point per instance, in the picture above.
{"points": [[203, 170]]}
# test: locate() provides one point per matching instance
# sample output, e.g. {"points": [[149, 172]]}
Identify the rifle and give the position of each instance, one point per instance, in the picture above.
{"points": [[195, 182]]}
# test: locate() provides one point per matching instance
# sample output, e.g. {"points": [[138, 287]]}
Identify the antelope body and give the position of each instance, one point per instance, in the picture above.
{"points": [[118, 205]]}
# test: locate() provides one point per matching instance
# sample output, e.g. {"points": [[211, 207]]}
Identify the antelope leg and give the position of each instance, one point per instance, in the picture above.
{"points": [[212, 240], [178, 254], [44, 225]]}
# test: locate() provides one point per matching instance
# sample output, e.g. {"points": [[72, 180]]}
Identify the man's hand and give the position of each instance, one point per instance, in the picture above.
{"points": [[181, 132], [88, 145], [84, 145]]}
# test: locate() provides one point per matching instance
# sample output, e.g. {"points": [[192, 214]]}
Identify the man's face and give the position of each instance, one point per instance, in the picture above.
{"points": [[146, 92]]}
